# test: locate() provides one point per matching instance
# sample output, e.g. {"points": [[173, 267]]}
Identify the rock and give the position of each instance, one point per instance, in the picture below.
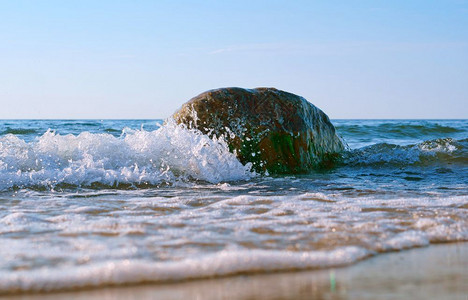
{"points": [[276, 131]]}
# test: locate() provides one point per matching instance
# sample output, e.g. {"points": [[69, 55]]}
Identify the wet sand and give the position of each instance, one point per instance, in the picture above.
{"points": [[435, 272]]}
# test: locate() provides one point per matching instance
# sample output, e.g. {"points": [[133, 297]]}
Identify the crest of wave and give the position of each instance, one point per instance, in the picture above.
{"points": [[425, 153], [169, 154]]}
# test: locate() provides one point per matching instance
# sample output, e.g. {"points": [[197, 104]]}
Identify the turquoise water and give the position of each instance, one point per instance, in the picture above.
{"points": [[97, 202]]}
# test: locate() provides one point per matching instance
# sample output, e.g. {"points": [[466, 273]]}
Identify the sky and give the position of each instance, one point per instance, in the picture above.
{"points": [[144, 59]]}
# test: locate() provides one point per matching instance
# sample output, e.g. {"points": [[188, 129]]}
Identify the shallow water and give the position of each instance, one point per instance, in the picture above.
{"points": [[90, 203]]}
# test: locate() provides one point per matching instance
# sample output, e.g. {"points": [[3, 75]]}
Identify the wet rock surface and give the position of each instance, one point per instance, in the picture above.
{"points": [[276, 131]]}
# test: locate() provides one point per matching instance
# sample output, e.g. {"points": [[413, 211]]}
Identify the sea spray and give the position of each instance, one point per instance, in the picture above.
{"points": [[96, 226], [168, 154]]}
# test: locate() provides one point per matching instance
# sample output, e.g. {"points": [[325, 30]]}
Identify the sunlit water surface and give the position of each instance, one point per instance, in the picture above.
{"points": [[89, 203]]}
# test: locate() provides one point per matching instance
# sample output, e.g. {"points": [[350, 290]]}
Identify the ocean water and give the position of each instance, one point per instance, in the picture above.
{"points": [[89, 203]]}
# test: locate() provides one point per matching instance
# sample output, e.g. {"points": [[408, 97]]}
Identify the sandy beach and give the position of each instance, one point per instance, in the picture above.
{"points": [[436, 272], [253, 150]]}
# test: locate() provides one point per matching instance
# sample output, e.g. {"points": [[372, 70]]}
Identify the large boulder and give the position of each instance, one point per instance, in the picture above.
{"points": [[276, 131]]}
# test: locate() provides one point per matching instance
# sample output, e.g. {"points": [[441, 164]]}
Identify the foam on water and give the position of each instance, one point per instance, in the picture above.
{"points": [[425, 153], [361, 133], [72, 214], [138, 271], [93, 240], [140, 157], [168, 155]]}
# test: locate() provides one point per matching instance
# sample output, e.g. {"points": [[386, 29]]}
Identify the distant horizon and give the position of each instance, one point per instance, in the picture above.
{"points": [[124, 60], [162, 119]]}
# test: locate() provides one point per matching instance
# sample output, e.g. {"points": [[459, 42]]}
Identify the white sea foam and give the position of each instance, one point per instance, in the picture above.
{"points": [[204, 226], [137, 271], [61, 242], [405, 240], [432, 151], [168, 154]]}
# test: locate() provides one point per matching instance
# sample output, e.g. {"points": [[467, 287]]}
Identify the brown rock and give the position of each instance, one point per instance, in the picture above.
{"points": [[274, 130]]}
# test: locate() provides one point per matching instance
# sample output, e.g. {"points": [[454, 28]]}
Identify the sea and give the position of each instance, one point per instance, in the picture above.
{"points": [[93, 203]]}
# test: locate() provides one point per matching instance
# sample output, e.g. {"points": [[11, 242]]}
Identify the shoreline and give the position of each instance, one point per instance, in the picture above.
{"points": [[439, 271]]}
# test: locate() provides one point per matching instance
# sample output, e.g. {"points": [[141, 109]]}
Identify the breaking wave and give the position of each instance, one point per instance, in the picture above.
{"points": [[136, 158], [133, 271], [438, 151], [173, 154]]}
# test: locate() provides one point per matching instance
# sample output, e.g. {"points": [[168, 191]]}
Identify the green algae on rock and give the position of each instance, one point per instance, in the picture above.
{"points": [[276, 131]]}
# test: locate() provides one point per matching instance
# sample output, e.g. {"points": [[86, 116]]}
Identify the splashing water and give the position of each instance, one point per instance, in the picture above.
{"points": [[138, 157], [92, 203]]}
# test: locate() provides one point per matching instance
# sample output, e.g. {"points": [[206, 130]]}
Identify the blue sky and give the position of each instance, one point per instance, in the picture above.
{"points": [[143, 59]]}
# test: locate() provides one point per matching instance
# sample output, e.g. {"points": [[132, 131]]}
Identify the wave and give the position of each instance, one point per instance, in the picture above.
{"points": [[170, 154], [438, 151], [223, 263], [74, 123], [395, 130], [19, 131], [138, 157], [139, 271]]}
